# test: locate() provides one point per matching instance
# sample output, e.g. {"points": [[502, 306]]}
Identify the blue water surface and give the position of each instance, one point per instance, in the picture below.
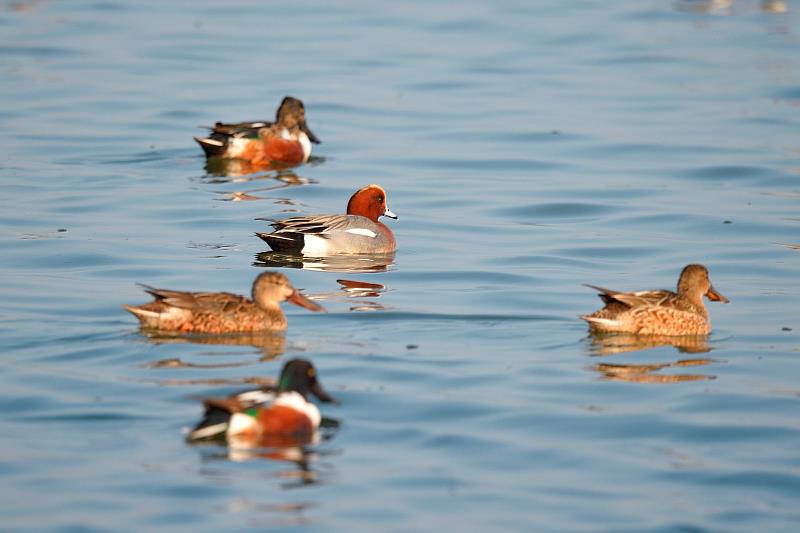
{"points": [[527, 148]]}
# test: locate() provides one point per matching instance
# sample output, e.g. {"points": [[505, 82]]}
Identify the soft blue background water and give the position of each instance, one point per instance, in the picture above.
{"points": [[526, 147]]}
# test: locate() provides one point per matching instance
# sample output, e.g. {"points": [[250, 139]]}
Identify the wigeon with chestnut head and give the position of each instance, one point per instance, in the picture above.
{"points": [[357, 232]]}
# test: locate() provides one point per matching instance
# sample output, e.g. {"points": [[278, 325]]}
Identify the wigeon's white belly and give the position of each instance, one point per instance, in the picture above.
{"points": [[315, 246]]}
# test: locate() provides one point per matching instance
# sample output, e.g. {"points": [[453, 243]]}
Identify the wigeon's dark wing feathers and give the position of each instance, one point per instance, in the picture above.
{"points": [[316, 224]]}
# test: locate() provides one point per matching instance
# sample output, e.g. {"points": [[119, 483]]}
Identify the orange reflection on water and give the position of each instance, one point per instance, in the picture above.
{"points": [[360, 294], [299, 452], [269, 344], [647, 373], [616, 343]]}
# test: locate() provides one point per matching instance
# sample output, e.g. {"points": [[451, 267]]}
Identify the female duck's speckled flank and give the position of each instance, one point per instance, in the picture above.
{"points": [[658, 312], [222, 312], [357, 232], [286, 141], [279, 417]]}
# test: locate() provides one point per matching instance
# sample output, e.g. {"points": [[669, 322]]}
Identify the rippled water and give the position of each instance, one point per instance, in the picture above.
{"points": [[527, 149]]}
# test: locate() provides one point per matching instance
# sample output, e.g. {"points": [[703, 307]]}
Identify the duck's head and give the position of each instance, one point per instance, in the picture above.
{"points": [[299, 375], [695, 283], [271, 288], [292, 115], [370, 202]]}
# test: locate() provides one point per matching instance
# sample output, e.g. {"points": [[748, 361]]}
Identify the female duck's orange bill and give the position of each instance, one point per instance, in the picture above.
{"points": [[715, 296], [299, 299]]}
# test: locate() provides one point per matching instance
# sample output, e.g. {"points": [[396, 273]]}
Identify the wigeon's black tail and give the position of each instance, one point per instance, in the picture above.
{"points": [[290, 243]]}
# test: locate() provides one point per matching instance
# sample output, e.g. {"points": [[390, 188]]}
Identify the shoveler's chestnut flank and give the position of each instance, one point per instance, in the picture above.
{"points": [[281, 417], [658, 312], [286, 141], [357, 232], [221, 312]]}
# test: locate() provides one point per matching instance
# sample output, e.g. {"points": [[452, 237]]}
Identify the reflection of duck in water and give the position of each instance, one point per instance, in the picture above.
{"points": [[287, 141], [357, 232], [646, 373], [270, 344], [616, 343], [333, 263], [278, 417], [659, 312], [222, 312]]}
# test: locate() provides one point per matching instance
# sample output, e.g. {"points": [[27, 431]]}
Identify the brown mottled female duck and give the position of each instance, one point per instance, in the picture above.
{"points": [[658, 312], [222, 312]]}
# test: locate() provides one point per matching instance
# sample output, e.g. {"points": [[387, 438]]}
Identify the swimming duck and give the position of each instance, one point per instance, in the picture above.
{"points": [[357, 232], [281, 416], [221, 312], [658, 312], [286, 141]]}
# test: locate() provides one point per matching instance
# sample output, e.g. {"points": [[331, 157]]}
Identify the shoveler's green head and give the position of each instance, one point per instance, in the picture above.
{"points": [[299, 375]]}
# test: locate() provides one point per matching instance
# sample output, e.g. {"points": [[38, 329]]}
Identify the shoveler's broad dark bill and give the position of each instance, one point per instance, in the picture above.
{"points": [[658, 312], [357, 232], [221, 312], [287, 141], [277, 417]]}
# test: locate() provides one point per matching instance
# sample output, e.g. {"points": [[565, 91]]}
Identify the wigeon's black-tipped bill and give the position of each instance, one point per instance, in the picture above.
{"points": [[715, 296], [311, 137], [298, 299], [389, 214], [323, 396]]}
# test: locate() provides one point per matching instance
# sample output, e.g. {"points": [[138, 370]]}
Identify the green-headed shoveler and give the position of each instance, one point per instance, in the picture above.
{"points": [[222, 312], [276, 417], [658, 312], [287, 141], [357, 232]]}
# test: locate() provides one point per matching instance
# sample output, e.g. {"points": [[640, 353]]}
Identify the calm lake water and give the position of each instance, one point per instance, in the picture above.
{"points": [[527, 148]]}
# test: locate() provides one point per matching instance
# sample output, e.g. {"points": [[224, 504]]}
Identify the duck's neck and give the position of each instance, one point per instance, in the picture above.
{"points": [[695, 299]]}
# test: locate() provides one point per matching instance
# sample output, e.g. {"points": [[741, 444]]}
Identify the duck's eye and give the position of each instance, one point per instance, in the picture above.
{"points": [[380, 199]]}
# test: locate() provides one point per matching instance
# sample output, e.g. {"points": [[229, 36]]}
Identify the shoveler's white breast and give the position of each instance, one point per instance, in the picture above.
{"points": [[300, 137], [295, 400], [306, 144]]}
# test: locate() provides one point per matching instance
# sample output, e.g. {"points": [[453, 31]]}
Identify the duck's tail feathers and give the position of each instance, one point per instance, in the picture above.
{"points": [[602, 324], [211, 146], [213, 425], [288, 243]]}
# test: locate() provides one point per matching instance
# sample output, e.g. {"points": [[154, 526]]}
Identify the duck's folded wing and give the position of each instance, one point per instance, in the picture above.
{"points": [[196, 301], [240, 129], [315, 224], [632, 299]]}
